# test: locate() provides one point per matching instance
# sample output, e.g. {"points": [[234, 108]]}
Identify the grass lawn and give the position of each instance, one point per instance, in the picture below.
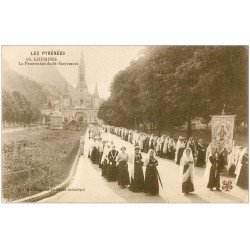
{"points": [[36, 160]]}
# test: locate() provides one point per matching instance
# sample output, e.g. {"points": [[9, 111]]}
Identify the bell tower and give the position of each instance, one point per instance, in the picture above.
{"points": [[82, 88], [95, 98], [81, 74]]}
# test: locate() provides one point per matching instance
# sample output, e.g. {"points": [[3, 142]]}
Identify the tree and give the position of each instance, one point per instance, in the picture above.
{"points": [[158, 84], [16, 108], [123, 107], [10, 108], [173, 85], [224, 79]]}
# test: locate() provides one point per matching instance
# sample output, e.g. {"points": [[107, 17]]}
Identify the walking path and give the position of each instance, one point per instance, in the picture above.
{"points": [[89, 186]]}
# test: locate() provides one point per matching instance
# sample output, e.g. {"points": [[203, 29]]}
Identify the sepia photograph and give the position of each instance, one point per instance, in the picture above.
{"points": [[125, 124]]}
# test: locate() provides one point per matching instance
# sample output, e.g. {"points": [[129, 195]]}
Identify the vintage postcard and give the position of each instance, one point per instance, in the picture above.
{"points": [[125, 124]]}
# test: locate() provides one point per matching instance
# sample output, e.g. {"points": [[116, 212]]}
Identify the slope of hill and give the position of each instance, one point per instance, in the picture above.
{"points": [[12, 81], [37, 86], [48, 75]]}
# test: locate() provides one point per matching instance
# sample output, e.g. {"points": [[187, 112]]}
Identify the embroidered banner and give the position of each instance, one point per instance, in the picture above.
{"points": [[222, 133]]}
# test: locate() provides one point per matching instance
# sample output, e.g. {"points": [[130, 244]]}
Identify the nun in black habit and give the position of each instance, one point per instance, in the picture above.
{"points": [[112, 166], [136, 171], [151, 184], [104, 160], [123, 174], [242, 171], [180, 151], [212, 173], [94, 152], [201, 154]]}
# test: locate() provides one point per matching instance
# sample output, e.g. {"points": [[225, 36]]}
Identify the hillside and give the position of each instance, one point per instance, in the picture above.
{"points": [[12, 81], [38, 86], [50, 76]]}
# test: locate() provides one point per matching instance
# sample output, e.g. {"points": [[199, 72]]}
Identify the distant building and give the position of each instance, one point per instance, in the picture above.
{"points": [[80, 106]]}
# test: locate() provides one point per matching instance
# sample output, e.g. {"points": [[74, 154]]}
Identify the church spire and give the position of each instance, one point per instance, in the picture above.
{"points": [[81, 74], [96, 93]]}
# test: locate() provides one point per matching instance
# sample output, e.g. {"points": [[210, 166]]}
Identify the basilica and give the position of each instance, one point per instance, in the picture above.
{"points": [[80, 106]]}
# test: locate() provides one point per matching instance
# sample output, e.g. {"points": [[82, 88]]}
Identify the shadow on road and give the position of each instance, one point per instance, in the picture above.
{"points": [[228, 196], [127, 195], [195, 198]]}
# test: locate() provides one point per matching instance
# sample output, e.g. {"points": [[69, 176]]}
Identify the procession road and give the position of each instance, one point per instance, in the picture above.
{"points": [[89, 187]]}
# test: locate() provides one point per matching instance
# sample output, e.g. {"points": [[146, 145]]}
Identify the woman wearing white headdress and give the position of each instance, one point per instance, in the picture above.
{"points": [[180, 151], [187, 171], [123, 174], [232, 158], [177, 147], [101, 150], [237, 165], [208, 152], [94, 151], [136, 171], [87, 143], [163, 139], [151, 184], [129, 136], [135, 138], [90, 145], [158, 146], [171, 149], [141, 140], [112, 166], [151, 142], [104, 160], [165, 146]]}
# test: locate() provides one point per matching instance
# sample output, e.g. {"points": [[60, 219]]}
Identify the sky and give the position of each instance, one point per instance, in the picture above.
{"points": [[101, 62]]}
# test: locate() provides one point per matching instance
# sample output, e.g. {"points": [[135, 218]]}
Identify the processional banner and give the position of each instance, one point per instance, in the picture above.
{"points": [[222, 133]]}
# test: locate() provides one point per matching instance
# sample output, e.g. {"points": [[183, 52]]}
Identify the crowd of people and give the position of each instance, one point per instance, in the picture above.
{"points": [[127, 169], [164, 146], [117, 164]]}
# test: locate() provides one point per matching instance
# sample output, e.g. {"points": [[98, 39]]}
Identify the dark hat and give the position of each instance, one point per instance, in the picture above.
{"points": [[137, 147]]}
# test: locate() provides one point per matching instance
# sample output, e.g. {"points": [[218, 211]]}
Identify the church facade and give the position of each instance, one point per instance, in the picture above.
{"points": [[81, 106]]}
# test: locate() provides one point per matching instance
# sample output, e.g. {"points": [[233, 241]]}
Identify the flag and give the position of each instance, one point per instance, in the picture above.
{"points": [[222, 133]]}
